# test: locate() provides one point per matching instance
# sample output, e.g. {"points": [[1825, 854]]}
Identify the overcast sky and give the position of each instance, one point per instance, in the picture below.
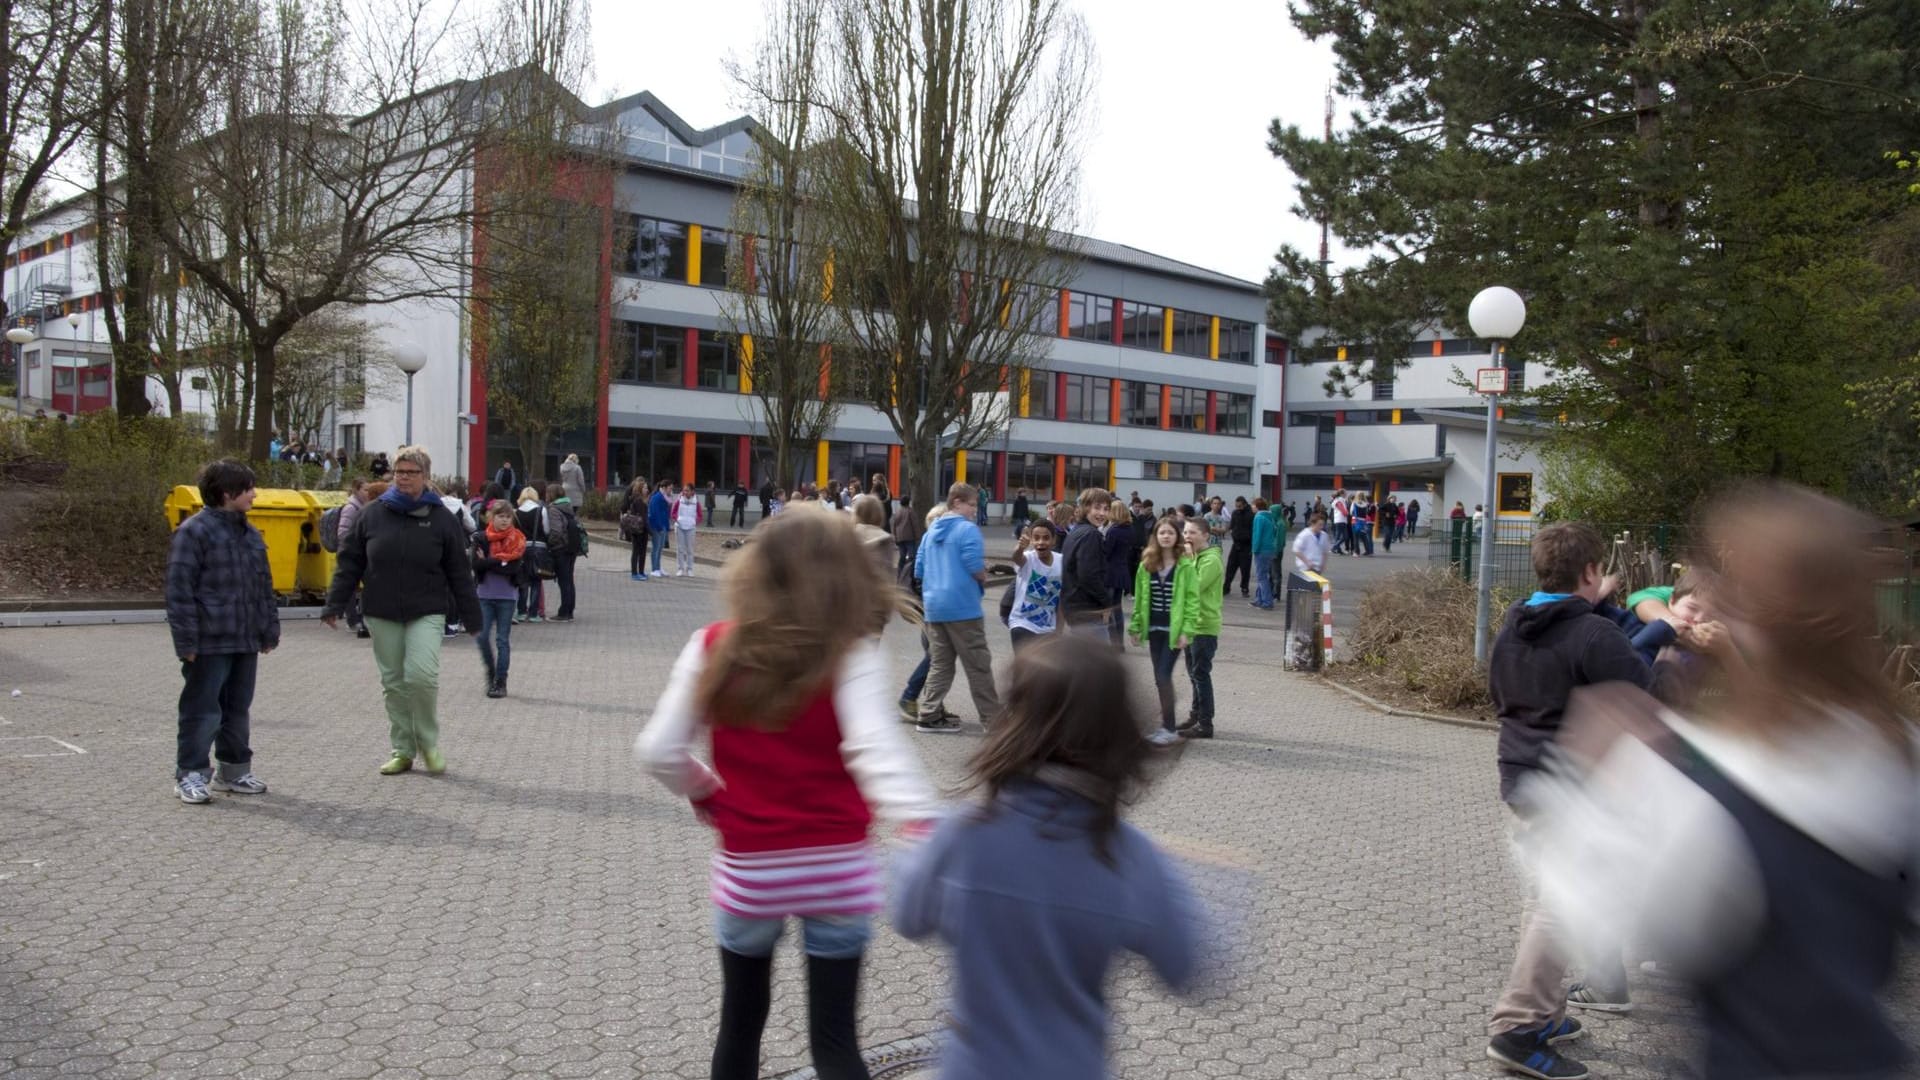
{"points": [[1177, 161]]}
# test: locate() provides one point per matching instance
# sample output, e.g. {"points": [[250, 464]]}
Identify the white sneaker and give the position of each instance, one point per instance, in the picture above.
{"points": [[246, 784], [192, 788], [1163, 737]]}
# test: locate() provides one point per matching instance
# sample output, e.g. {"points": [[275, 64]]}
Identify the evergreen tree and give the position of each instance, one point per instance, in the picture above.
{"points": [[1693, 197]]}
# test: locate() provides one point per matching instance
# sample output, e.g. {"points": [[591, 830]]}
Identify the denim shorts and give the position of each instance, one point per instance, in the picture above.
{"points": [[829, 937]]}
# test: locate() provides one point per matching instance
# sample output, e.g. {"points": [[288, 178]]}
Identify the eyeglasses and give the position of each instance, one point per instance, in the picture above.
{"points": [[408, 472]]}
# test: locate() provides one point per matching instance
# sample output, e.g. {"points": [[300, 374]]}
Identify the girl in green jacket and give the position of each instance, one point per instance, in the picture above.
{"points": [[1162, 593]]}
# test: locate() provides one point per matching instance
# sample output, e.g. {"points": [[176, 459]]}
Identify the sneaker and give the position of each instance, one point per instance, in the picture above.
{"points": [[1527, 1053], [363, 632], [909, 711], [396, 765], [561, 618], [244, 784], [1187, 725], [192, 788], [1582, 996], [536, 618], [496, 689], [638, 577], [1565, 1029], [436, 764], [452, 630], [1163, 737], [518, 619], [938, 725], [1196, 733]]}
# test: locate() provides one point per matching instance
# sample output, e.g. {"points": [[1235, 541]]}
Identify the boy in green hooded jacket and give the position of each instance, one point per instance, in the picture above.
{"points": [[1201, 629]]}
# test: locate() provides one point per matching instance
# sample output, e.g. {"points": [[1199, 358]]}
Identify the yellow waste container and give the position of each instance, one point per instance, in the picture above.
{"points": [[278, 513], [316, 562]]}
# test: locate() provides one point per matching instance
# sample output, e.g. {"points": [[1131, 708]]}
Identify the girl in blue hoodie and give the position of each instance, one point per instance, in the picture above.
{"points": [[1042, 885]]}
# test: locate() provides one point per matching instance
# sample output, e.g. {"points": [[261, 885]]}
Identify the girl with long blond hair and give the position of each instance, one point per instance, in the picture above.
{"points": [[790, 690], [1765, 847]]}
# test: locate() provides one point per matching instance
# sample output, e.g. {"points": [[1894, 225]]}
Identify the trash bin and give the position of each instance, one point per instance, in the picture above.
{"points": [[315, 572], [277, 512]]}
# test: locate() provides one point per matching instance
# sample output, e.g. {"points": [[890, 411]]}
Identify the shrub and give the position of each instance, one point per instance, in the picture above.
{"points": [[601, 506], [1415, 629]]}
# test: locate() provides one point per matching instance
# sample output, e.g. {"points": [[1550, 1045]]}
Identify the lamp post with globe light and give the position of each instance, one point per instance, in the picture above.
{"points": [[19, 336], [410, 359], [1497, 313]]}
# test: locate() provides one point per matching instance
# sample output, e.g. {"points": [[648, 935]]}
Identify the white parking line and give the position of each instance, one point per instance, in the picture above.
{"points": [[67, 748]]}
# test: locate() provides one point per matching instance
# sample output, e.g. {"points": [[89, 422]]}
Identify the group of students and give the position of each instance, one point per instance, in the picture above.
{"points": [[653, 516], [1035, 884], [1719, 771]]}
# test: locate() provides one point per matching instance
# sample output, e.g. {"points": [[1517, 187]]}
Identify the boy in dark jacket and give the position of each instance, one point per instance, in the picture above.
{"points": [[1552, 643], [224, 617], [1085, 595]]}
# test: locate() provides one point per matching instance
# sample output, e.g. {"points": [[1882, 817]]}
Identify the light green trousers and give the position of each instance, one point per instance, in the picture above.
{"points": [[408, 656]]}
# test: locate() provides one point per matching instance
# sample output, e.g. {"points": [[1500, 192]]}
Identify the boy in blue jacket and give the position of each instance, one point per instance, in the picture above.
{"points": [[952, 569], [224, 616]]}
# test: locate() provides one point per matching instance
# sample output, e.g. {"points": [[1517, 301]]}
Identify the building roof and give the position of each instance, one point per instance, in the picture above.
{"points": [[1421, 468]]}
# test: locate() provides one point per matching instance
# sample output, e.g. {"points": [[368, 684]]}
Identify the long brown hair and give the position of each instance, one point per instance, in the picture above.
{"points": [[1796, 578], [1156, 558], [799, 595], [1070, 709]]}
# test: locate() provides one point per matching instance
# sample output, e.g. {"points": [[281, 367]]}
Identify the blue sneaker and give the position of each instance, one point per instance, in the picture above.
{"points": [[1528, 1053], [1565, 1029], [638, 577]]}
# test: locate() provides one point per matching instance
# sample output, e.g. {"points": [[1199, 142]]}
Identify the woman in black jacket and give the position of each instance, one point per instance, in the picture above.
{"points": [[410, 552], [1240, 556], [633, 525]]}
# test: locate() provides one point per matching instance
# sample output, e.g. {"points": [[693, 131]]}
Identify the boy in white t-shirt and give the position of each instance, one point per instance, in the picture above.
{"points": [[1342, 531], [1036, 585], [1310, 547]]}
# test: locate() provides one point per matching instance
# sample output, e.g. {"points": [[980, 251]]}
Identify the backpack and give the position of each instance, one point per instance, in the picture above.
{"points": [[579, 531], [330, 529]]}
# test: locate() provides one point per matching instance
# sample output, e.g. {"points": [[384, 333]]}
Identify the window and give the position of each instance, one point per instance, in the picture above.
{"points": [[1233, 414], [353, 438], [1514, 493], [652, 248], [718, 361], [1031, 471], [1236, 341], [1085, 472], [1191, 333], [1186, 408], [1089, 397], [1305, 419], [1089, 317], [1143, 325], [1276, 350], [1463, 346], [1323, 442], [1040, 395], [1233, 474], [1311, 481], [648, 353], [1140, 404], [1382, 383], [1270, 418], [713, 256]]}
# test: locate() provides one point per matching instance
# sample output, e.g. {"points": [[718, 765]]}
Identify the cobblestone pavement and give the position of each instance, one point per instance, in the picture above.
{"points": [[541, 909]]}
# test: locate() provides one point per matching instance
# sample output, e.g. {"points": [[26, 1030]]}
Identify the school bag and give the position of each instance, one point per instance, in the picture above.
{"points": [[540, 557], [330, 529]]}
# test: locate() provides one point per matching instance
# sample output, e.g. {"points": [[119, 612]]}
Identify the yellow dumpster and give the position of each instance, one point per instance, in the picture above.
{"points": [[316, 562], [278, 513]]}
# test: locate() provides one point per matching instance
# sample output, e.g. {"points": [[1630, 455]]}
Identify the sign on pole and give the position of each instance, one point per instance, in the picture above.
{"points": [[1491, 380]]}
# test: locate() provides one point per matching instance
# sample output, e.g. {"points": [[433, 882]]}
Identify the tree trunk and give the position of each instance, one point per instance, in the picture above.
{"points": [[533, 454], [259, 445]]}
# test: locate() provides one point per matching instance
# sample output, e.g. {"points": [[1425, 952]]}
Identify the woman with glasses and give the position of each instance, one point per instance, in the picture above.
{"points": [[411, 553]]}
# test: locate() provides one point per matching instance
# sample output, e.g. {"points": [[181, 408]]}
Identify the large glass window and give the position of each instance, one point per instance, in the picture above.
{"points": [[856, 461], [1085, 472], [1234, 414], [1089, 398], [652, 248], [713, 256], [719, 361], [1236, 341], [1040, 394], [1323, 442], [1031, 471], [649, 353], [1140, 404], [1144, 323], [1191, 332], [1186, 408], [1089, 317], [646, 452]]}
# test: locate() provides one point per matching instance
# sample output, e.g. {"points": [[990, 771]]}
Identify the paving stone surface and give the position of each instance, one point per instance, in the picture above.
{"points": [[541, 910]]}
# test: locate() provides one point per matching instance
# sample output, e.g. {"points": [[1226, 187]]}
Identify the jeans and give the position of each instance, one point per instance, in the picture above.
{"points": [[564, 565], [835, 937], [408, 656], [683, 549], [214, 712], [1023, 637], [1363, 538], [532, 598], [1263, 581], [1117, 625], [1200, 650], [659, 537], [737, 518], [918, 680], [497, 620], [959, 644], [1160, 648]]}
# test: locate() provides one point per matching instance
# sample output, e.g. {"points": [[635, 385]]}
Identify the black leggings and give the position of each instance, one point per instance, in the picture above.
{"points": [[833, 998], [1240, 559], [637, 562]]}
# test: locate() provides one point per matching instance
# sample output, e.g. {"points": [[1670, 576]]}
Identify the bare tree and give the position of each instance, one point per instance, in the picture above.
{"points": [[950, 189], [330, 167], [50, 52], [779, 305], [546, 231]]}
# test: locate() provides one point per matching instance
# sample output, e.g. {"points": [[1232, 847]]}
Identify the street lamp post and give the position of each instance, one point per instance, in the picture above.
{"points": [[79, 371], [19, 336], [410, 359], [1497, 313]]}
